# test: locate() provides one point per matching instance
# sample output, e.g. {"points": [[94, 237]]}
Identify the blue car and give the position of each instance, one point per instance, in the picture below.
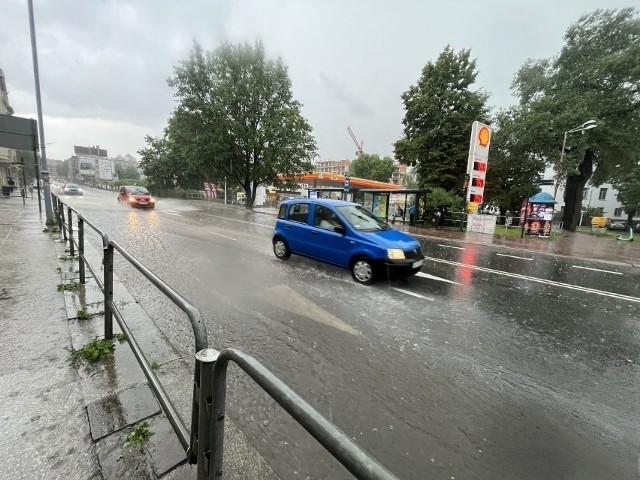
{"points": [[346, 235]]}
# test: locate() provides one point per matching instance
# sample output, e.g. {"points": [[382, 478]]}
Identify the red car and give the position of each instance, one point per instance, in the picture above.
{"points": [[136, 196]]}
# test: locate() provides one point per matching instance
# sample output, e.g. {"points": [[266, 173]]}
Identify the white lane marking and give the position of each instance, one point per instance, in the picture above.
{"points": [[413, 294], [239, 221], [433, 277], [224, 236], [539, 280], [513, 256], [450, 246], [171, 212], [598, 270]]}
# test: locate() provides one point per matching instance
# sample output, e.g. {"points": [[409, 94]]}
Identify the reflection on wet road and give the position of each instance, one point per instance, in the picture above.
{"points": [[485, 365]]}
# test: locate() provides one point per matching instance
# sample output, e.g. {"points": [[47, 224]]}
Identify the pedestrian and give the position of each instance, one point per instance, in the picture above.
{"points": [[441, 214], [412, 214], [399, 213]]}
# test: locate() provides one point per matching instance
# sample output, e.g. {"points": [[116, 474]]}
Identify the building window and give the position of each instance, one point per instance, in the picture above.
{"points": [[618, 212], [585, 192], [603, 194]]}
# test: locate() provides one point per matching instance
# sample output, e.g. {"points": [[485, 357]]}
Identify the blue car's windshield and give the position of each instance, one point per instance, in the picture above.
{"points": [[362, 219]]}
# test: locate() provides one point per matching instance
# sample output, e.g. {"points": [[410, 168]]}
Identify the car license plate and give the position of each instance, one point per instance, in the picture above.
{"points": [[417, 264]]}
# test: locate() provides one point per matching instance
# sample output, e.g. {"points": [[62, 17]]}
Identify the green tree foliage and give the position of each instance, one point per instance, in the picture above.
{"points": [[439, 112], [127, 171], [512, 168], [372, 167], [452, 199], [237, 118], [164, 168], [595, 77], [64, 169], [628, 186]]}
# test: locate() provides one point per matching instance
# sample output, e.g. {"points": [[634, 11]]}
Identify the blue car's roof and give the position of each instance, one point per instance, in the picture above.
{"points": [[319, 201]]}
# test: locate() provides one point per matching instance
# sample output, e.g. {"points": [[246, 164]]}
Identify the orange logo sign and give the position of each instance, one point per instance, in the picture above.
{"points": [[483, 136]]}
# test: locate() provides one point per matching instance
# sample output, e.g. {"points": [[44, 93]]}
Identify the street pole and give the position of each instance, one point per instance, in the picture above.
{"points": [[558, 173], [45, 170]]}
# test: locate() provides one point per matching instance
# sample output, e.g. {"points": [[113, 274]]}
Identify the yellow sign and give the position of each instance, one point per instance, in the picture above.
{"points": [[334, 175], [472, 207]]}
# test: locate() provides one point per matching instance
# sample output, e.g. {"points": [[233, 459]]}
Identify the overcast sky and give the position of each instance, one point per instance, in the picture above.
{"points": [[104, 63]]}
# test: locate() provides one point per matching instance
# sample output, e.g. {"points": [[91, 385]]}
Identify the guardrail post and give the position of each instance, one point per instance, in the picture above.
{"points": [[218, 413], [63, 222], [108, 291], [81, 249], [201, 416], [72, 247]]}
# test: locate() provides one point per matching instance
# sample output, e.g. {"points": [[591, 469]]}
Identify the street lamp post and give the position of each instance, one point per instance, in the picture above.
{"points": [[580, 128]]}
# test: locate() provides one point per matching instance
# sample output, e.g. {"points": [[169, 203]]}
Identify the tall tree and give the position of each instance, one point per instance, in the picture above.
{"points": [[164, 167], [512, 167], [628, 186], [595, 77], [372, 167], [439, 112], [237, 118], [127, 171]]}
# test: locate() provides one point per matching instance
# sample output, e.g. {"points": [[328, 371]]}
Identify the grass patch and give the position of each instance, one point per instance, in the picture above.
{"points": [[517, 233], [68, 287], [52, 229], [121, 337], [139, 435], [93, 351], [84, 315], [68, 258], [155, 366]]}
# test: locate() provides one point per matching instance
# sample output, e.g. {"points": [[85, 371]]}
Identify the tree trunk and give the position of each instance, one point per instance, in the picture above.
{"points": [[630, 216], [573, 192]]}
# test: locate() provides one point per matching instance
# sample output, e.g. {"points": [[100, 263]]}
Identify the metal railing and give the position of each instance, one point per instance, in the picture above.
{"points": [[204, 445]]}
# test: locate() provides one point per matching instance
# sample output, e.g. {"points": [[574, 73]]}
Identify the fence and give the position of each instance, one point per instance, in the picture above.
{"points": [[204, 445]]}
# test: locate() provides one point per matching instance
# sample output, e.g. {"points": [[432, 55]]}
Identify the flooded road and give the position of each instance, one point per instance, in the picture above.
{"points": [[491, 363]]}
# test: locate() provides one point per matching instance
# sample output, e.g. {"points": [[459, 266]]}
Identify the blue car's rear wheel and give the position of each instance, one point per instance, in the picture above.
{"points": [[281, 249]]}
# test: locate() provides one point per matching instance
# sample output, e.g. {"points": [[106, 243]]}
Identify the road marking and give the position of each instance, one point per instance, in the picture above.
{"points": [[619, 296], [450, 246], [598, 270], [413, 294], [171, 212], [433, 277], [513, 256], [224, 236], [239, 221], [285, 297]]}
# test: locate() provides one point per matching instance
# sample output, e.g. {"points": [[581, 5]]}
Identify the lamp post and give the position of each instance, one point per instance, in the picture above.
{"points": [[588, 125]]}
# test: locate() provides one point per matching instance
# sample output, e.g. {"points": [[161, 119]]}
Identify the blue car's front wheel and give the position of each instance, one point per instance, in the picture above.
{"points": [[362, 271]]}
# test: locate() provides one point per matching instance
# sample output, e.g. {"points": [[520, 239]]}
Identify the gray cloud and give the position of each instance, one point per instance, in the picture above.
{"points": [[104, 63]]}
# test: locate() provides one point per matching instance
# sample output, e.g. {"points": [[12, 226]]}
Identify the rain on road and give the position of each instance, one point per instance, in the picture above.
{"points": [[491, 363]]}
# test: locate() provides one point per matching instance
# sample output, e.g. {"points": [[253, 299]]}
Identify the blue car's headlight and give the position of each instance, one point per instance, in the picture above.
{"points": [[395, 254]]}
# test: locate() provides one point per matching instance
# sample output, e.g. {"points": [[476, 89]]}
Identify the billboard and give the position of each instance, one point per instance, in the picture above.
{"points": [[105, 170], [87, 165]]}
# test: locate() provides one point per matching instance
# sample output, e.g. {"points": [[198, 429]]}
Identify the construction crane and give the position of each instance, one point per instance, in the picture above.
{"points": [[359, 143]]}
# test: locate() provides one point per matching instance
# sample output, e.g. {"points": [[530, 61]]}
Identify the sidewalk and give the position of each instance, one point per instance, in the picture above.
{"points": [[579, 245], [64, 422]]}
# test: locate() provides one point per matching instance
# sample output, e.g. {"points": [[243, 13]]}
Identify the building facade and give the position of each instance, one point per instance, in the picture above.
{"points": [[604, 196], [8, 170]]}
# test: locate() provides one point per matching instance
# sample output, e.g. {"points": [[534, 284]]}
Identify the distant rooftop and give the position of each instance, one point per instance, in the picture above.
{"points": [[89, 151]]}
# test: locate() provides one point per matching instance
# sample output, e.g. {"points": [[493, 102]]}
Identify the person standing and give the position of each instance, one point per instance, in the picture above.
{"points": [[412, 214], [442, 212]]}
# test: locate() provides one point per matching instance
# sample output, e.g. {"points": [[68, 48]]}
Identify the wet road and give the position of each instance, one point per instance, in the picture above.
{"points": [[492, 363]]}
